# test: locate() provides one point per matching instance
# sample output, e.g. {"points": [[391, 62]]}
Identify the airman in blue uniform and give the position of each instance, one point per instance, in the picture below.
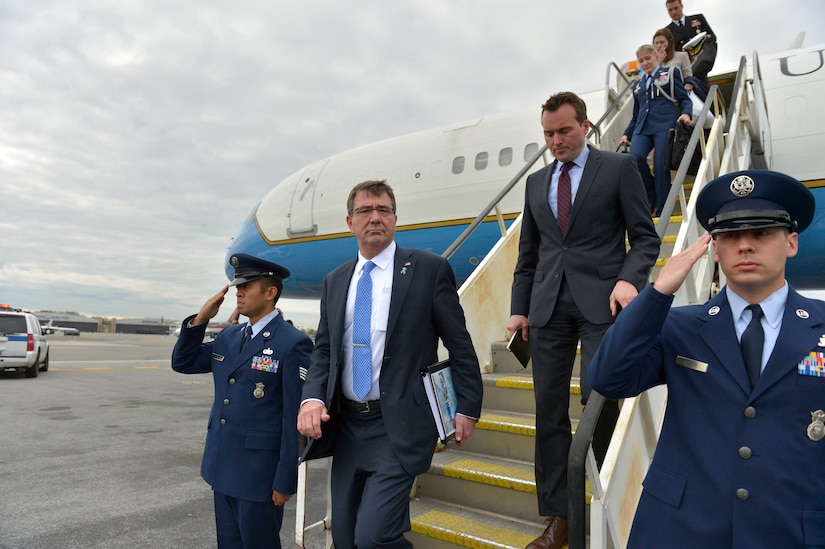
{"points": [[739, 462], [251, 453]]}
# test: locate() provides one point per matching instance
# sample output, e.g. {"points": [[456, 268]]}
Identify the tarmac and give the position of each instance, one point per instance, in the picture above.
{"points": [[104, 450]]}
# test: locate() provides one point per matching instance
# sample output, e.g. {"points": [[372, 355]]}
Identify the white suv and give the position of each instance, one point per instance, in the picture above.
{"points": [[22, 343]]}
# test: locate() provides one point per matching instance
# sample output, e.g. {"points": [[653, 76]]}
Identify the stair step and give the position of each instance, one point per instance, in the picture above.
{"points": [[514, 392], [440, 525]]}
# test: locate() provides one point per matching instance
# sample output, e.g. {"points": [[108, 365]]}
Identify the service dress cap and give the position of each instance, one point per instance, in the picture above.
{"points": [[755, 199], [249, 268]]}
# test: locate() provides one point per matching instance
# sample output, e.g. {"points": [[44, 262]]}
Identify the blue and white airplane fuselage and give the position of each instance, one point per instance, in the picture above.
{"points": [[444, 177]]}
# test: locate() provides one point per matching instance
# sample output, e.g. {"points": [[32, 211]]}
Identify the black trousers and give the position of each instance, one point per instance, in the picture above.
{"points": [[553, 348], [370, 488]]}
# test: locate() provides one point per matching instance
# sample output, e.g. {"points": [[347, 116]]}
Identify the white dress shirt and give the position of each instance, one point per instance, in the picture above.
{"points": [[382, 277]]}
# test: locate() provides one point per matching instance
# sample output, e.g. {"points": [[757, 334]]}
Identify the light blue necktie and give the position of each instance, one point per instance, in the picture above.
{"points": [[361, 352]]}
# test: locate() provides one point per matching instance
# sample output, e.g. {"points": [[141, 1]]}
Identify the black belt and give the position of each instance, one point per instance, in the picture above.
{"points": [[361, 407]]}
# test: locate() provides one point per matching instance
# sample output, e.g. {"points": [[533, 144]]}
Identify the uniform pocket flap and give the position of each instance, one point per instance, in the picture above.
{"points": [[666, 486]]}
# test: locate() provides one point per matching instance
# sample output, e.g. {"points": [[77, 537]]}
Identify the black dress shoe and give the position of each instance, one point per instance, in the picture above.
{"points": [[553, 537]]}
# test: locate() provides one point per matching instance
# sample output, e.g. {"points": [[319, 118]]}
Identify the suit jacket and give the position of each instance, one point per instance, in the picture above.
{"points": [[682, 60], [653, 112], [423, 308], [611, 201], [694, 24], [251, 440], [734, 467]]}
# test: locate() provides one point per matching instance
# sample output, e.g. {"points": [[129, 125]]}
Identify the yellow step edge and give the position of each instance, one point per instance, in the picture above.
{"points": [[673, 219], [526, 383], [515, 382], [468, 533], [670, 239], [507, 424], [492, 474]]}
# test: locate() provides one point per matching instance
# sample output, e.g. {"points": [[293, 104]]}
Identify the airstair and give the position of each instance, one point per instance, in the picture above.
{"points": [[483, 495]]}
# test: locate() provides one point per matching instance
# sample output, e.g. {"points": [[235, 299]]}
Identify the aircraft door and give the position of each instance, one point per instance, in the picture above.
{"points": [[301, 219]]}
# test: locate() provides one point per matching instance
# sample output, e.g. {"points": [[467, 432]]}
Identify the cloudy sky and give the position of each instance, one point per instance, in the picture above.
{"points": [[136, 136]]}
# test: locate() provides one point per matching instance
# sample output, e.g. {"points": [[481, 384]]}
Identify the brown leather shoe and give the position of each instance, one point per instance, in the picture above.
{"points": [[553, 537]]}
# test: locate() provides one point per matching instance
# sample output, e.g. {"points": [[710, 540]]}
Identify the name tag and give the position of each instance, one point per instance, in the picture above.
{"points": [[692, 364], [216, 356], [812, 365]]}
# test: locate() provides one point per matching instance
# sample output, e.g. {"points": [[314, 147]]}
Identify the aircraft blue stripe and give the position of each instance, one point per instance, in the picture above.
{"points": [[306, 259]]}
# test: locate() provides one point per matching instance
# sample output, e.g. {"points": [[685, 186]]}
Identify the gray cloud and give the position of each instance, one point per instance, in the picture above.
{"points": [[136, 136]]}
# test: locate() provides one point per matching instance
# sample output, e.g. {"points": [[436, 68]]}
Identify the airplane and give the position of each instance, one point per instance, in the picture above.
{"points": [[443, 178], [214, 328], [50, 328]]}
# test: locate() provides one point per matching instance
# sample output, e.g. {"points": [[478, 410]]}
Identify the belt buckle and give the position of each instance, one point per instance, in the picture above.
{"points": [[366, 409]]}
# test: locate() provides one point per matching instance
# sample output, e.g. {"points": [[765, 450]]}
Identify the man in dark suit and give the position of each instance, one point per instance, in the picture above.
{"points": [[572, 276], [686, 27], [377, 421], [739, 459], [251, 453], [659, 103]]}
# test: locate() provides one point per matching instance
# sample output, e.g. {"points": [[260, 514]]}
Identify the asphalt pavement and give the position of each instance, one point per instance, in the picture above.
{"points": [[104, 451]]}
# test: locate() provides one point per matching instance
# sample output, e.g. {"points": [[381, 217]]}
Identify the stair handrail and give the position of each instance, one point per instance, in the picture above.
{"points": [[725, 151]]}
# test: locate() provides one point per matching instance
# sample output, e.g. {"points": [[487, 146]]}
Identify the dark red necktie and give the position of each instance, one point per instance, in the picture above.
{"points": [[565, 204]]}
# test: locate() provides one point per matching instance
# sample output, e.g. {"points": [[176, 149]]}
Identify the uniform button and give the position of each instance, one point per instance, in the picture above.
{"points": [[745, 452], [223, 422], [226, 401], [750, 412], [232, 381], [742, 494]]}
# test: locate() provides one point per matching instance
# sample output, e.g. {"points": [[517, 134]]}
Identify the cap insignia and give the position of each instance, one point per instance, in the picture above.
{"points": [[234, 261], [742, 186]]}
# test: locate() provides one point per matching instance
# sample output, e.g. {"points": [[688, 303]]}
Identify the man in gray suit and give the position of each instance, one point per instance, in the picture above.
{"points": [[381, 432], [572, 277]]}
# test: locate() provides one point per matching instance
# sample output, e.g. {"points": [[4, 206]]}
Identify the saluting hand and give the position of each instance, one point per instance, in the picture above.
{"points": [[677, 267], [210, 308]]}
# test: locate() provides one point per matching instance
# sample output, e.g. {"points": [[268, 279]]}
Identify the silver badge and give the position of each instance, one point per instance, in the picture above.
{"points": [[234, 261], [267, 351], [821, 341], [266, 334], [802, 313], [259, 390], [742, 186], [713, 311], [816, 430]]}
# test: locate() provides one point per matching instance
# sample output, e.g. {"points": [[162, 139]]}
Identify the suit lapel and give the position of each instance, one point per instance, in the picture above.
{"points": [[402, 278], [338, 290], [800, 332], [591, 170], [718, 333]]}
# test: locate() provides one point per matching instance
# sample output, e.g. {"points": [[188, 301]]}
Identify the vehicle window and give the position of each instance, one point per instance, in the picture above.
{"points": [[505, 156], [481, 160], [12, 324], [458, 165], [530, 151]]}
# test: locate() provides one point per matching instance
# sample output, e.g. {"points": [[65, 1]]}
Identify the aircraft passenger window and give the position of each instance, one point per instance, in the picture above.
{"points": [[530, 151], [505, 156], [481, 160], [458, 164]]}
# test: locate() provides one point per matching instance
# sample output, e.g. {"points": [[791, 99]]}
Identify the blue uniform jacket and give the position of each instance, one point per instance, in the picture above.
{"points": [[733, 467], [652, 111], [251, 440]]}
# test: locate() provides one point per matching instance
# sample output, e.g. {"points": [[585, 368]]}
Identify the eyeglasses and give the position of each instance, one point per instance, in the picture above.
{"points": [[366, 211]]}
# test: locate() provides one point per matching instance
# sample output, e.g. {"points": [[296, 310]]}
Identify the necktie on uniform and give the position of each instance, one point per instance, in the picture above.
{"points": [[247, 335], [753, 339], [361, 351], [565, 203]]}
